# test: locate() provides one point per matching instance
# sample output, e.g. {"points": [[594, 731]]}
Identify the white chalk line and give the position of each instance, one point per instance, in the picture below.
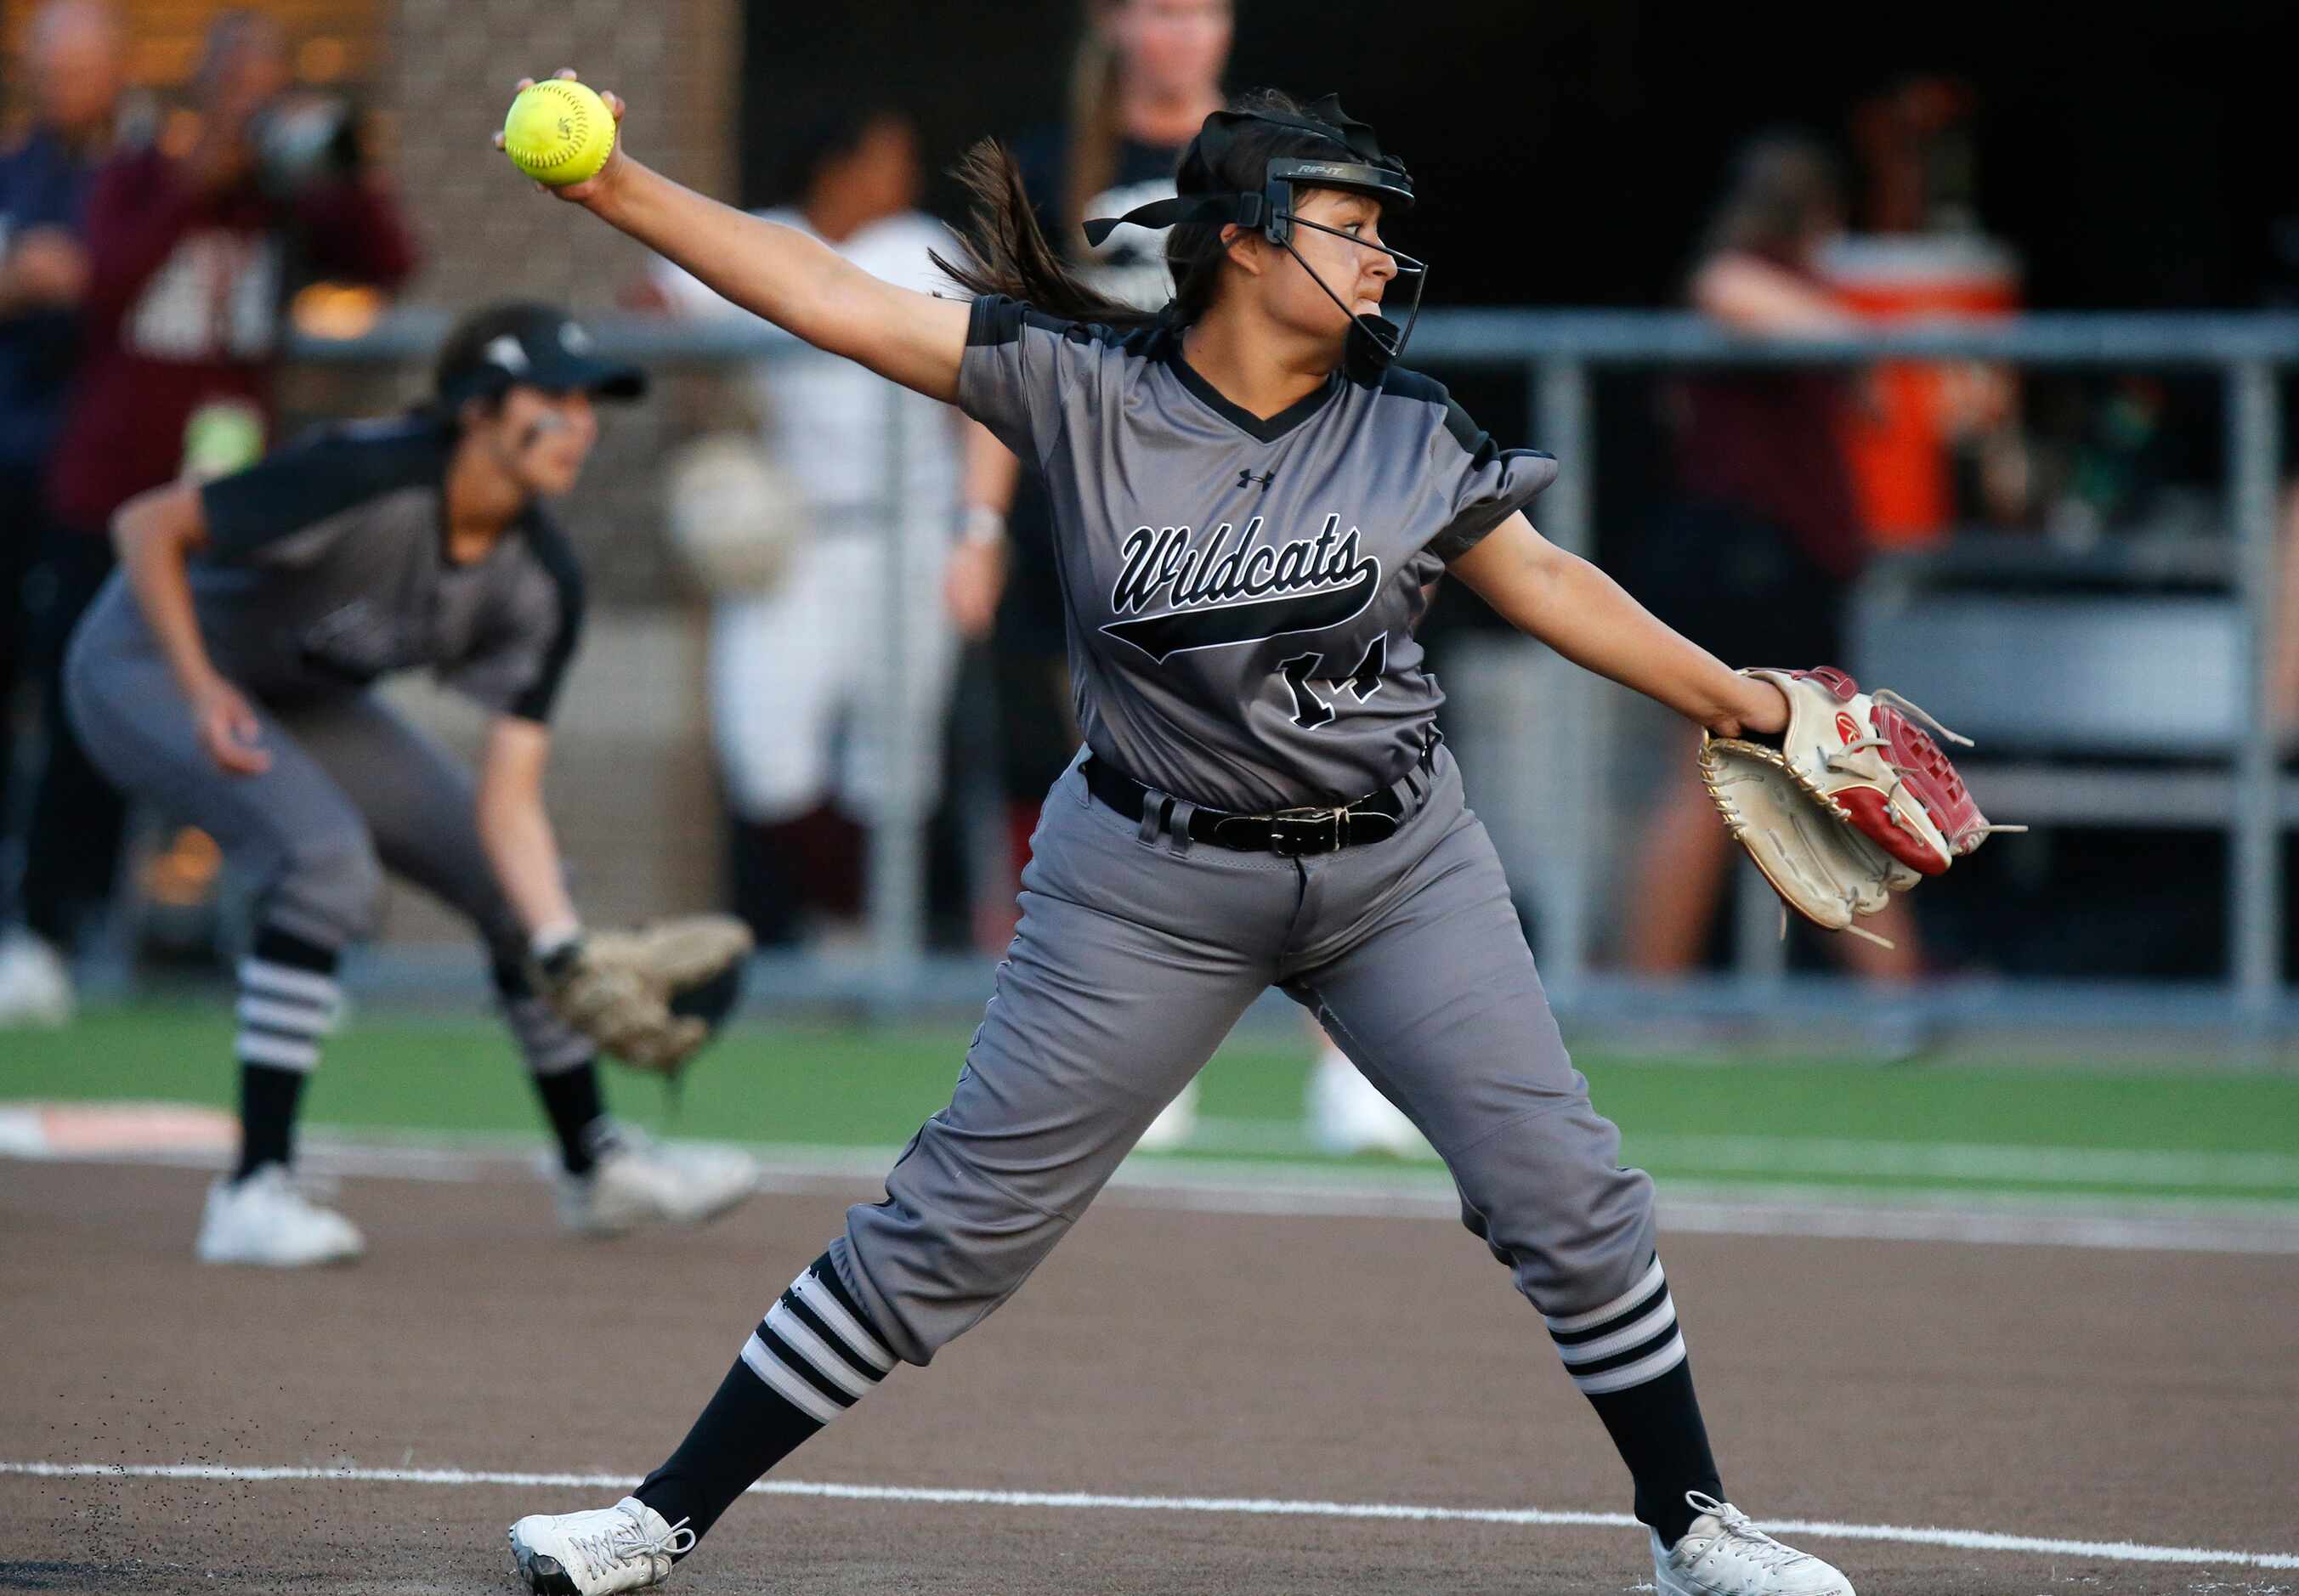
{"points": [[2120, 1551]]}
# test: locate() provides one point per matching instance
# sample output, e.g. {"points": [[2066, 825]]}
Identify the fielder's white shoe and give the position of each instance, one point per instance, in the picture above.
{"points": [[626, 1547], [1347, 1114], [264, 1219], [36, 984], [1722, 1554], [634, 1180], [1175, 1124]]}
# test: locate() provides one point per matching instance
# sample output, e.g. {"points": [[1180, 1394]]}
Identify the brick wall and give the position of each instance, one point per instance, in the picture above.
{"points": [[631, 785], [450, 65]]}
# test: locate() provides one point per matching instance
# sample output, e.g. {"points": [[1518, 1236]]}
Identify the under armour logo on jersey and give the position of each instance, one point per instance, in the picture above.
{"points": [[1217, 596], [1247, 478]]}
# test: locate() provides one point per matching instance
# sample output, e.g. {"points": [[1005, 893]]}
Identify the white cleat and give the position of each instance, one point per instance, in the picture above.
{"points": [[1347, 1114], [264, 1219], [1175, 1124], [637, 1181], [1722, 1554], [36, 984], [626, 1547]]}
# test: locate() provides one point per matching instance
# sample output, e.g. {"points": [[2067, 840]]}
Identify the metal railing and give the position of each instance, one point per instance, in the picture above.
{"points": [[1559, 351], [1559, 354]]}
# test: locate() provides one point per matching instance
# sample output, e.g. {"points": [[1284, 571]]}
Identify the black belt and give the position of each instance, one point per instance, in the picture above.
{"points": [[1288, 833]]}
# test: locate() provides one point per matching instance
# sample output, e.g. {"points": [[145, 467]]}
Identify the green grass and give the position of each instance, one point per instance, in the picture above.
{"points": [[2196, 1132]]}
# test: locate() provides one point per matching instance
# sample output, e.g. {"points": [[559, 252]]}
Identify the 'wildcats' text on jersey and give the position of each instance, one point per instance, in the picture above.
{"points": [[1241, 591], [1219, 594]]}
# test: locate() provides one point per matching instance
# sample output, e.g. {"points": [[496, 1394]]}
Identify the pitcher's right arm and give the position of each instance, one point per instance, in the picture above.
{"points": [[779, 273]]}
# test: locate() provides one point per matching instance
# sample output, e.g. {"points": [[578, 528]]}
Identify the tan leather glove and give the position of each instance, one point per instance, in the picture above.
{"points": [[1856, 804], [617, 987]]}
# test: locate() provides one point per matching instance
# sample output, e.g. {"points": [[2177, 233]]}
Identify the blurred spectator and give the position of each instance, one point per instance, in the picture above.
{"points": [[799, 668], [187, 263], [1147, 74], [1755, 561], [1936, 438], [71, 70]]}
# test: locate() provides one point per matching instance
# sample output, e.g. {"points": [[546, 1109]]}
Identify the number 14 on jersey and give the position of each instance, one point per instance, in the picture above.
{"points": [[1305, 673]]}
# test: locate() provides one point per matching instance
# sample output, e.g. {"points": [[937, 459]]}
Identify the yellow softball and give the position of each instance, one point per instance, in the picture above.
{"points": [[558, 132]]}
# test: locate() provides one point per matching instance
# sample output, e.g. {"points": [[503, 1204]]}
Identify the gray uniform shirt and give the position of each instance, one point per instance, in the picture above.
{"points": [[327, 568], [1241, 593]]}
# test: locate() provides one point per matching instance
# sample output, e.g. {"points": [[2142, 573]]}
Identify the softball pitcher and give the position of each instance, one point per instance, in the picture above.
{"points": [[1251, 499], [223, 675]]}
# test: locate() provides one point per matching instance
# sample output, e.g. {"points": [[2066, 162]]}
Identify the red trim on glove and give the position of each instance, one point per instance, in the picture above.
{"points": [[1932, 778], [1872, 816]]}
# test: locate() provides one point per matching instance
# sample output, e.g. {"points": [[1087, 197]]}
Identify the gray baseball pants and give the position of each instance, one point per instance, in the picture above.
{"points": [[352, 790], [1137, 952]]}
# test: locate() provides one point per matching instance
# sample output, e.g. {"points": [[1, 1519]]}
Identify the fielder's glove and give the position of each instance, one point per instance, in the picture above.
{"points": [[1856, 804], [636, 992]]}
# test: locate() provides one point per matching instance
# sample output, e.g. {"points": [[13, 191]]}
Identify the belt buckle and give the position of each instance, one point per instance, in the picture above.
{"points": [[1294, 831]]}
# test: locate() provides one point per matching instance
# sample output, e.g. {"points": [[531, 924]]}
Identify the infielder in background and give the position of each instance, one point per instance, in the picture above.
{"points": [[1251, 499], [800, 671], [224, 676], [1146, 75]]}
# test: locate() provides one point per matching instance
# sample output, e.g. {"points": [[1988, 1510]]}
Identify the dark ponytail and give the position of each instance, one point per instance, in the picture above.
{"points": [[1008, 252]]}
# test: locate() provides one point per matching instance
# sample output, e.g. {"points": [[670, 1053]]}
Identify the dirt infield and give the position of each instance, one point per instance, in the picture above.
{"points": [[2112, 1396]]}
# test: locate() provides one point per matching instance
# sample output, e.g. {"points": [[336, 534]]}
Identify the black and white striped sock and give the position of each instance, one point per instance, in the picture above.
{"points": [[288, 1000], [810, 1359], [816, 1349], [1628, 1358]]}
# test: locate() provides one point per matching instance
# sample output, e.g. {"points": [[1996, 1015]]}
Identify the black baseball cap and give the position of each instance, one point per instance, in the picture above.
{"points": [[491, 349]]}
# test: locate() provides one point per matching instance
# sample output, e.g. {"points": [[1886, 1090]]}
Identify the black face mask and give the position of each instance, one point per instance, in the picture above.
{"points": [[1374, 341]]}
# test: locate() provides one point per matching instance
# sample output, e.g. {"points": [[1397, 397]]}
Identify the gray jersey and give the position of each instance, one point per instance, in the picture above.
{"points": [[1241, 593], [327, 568]]}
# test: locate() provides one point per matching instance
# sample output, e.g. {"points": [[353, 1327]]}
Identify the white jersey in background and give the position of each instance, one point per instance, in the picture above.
{"points": [[824, 416], [798, 673]]}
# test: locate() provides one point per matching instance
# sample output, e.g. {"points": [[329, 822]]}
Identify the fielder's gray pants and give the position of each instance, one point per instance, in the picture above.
{"points": [[1135, 956], [352, 790]]}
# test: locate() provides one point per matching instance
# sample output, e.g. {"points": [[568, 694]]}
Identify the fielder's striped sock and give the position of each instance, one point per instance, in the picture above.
{"points": [[563, 1063], [1628, 1357], [288, 1000], [810, 1357]]}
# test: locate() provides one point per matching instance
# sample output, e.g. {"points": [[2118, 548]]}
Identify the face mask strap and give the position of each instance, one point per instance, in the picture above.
{"points": [[1248, 211]]}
